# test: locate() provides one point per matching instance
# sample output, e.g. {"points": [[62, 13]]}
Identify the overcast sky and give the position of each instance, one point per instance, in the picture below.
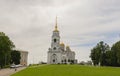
{"points": [[82, 24]]}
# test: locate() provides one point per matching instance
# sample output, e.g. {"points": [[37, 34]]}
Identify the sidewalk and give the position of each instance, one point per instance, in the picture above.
{"points": [[8, 71]]}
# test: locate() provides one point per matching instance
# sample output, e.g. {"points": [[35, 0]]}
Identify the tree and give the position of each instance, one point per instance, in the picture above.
{"points": [[110, 58], [15, 57], [116, 50], [95, 55], [6, 46], [98, 53]]}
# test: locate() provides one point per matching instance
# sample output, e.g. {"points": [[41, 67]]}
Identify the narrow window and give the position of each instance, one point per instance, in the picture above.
{"points": [[55, 40], [54, 48], [53, 60]]}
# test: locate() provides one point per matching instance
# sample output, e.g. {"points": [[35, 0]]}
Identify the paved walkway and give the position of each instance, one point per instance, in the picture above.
{"points": [[8, 71]]}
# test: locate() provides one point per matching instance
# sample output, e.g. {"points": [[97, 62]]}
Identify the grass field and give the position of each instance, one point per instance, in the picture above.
{"points": [[69, 70]]}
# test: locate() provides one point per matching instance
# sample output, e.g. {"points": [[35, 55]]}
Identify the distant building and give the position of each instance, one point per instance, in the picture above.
{"points": [[58, 53], [24, 58]]}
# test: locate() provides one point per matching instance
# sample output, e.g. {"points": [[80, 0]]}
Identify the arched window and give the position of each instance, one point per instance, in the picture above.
{"points": [[55, 40], [54, 48], [54, 60]]}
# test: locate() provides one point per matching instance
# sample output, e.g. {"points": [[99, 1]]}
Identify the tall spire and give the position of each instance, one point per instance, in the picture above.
{"points": [[56, 21], [56, 26]]}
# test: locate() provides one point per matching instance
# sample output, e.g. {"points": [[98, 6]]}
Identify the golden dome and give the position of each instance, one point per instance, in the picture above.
{"points": [[56, 29], [67, 46], [62, 44]]}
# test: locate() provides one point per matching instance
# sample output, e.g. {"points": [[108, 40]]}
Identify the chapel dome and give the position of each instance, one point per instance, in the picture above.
{"points": [[62, 44]]}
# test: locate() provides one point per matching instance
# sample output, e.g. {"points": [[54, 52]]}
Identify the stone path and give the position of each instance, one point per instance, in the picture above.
{"points": [[8, 71]]}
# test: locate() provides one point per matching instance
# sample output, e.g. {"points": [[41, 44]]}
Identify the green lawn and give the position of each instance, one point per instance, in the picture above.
{"points": [[69, 70]]}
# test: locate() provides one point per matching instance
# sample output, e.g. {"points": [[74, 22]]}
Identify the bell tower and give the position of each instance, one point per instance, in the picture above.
{"points": [[54, 53], [55, 38]]}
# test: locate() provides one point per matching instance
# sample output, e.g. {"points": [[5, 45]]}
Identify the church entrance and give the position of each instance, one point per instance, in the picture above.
{"points": [[54, 59]]}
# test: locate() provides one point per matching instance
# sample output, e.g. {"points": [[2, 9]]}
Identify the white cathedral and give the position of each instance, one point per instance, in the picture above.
{"points": [[58, 53]]}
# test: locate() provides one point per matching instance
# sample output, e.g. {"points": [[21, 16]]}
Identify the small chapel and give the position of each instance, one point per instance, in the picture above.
{"points": [[58, 53]]}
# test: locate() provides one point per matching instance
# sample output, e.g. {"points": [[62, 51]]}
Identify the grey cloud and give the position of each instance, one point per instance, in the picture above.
{"points": [[30, 23], [27, 2], [42, 3]]}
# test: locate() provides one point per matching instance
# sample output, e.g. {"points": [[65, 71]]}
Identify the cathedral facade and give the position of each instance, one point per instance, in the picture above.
{"points": [[59, 53]]}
